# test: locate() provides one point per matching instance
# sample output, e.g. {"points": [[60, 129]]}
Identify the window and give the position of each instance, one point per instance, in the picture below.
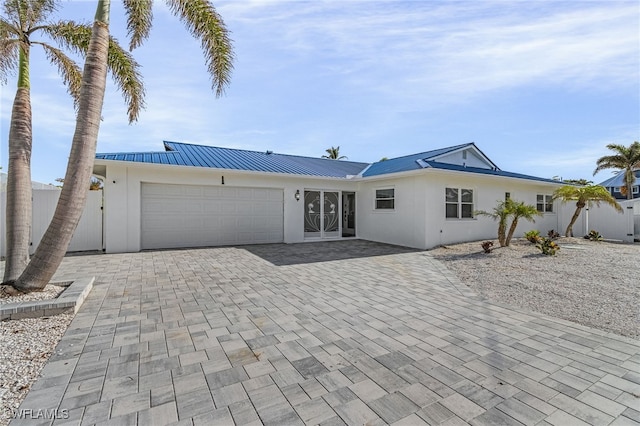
{"points": [[544, 203], [616, 189], [458, 203], [636, 189], [385, 199]]}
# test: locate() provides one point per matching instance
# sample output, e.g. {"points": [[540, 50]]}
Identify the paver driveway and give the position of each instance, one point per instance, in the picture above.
{"points": [[331, 333]]}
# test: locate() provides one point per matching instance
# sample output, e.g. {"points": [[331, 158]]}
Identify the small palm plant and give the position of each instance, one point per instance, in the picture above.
{"points": [[520, 210], [501, 213], [583, 195]]}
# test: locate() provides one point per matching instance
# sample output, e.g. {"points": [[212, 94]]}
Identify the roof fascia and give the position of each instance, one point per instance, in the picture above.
{"points": [[101, 162]]}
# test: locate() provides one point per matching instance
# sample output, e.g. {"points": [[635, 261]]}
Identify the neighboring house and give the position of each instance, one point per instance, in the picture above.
{"points": [[615, 183], [193, 195]]}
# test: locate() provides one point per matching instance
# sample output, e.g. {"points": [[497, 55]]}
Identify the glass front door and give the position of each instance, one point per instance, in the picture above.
{"points": [[321, 214]]}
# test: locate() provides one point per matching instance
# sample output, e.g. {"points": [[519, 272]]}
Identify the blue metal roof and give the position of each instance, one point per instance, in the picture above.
{"points": [[183, 154], [491, 172], [408, 162], [618, 180]]}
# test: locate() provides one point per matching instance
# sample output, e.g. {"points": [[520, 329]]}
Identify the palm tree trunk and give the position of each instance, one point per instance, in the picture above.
{"points": [[502, 239], [54, 244], [18, 213], [512, 230], [19, 204], [569, 231]]}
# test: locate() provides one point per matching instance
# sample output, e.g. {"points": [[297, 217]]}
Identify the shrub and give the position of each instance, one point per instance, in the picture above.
{"points": [[547, 246], [487, 246], [553, 234], [532, 236], [594, 235]]}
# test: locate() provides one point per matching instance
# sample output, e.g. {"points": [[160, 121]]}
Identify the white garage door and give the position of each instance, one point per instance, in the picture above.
{"points": [[195, 216]]}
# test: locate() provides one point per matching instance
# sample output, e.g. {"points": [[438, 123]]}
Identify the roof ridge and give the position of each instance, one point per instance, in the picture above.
{"points": [[261, 152], [450, 148]]}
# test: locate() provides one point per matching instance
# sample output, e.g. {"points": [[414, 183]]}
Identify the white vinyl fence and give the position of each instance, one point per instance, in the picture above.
{"points": [[88, 234], [611, 224]]}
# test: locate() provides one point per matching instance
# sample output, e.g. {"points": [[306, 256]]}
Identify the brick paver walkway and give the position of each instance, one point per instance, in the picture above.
{"points": [[330, 333]]}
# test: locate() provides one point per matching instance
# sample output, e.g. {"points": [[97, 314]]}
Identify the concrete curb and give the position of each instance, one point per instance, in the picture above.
{"points": [[71, 298]]}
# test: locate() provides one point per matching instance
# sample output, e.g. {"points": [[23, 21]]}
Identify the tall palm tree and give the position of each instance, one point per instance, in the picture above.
{"points": [[20, 22], [203, 21], [583, 195], [334, 154], [626, 158], [501, 213], [520, 210]]}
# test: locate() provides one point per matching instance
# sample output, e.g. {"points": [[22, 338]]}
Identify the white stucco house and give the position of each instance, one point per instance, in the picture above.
{"points": [[194, 196]]}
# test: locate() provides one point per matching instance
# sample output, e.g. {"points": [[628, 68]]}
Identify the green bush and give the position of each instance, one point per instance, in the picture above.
{"points": [[548, 247], [532, 236]]}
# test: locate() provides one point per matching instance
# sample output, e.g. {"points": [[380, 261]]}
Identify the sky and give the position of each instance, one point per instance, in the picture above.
{"points": [[541, 87]]}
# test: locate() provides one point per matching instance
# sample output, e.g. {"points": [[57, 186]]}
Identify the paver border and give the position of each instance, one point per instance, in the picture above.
{"points": [[71, 298]]}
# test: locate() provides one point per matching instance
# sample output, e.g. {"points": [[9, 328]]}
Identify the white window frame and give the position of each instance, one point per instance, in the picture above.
{"points": [[392, 199], [459, 203], [635, 190], [616, 189], [547, 201]]}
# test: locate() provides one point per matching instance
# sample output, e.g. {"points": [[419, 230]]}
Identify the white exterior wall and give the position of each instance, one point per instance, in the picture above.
{"points": [[122, 189], [487, 192], [418, 219], [404, 225]]}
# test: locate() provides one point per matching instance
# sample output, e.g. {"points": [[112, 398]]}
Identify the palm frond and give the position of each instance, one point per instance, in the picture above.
{"points": [[70, 35], [121, 64], [204, 22], [38, 11], [69, 71], [8, 58], [139, 19], [126, 75]]}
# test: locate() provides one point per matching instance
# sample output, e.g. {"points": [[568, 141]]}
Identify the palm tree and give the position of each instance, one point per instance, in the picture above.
{"points": [[583, 195], [21, 21], [520, 210], [627, 158], [203, 21], [334, 154], [501, 213]]}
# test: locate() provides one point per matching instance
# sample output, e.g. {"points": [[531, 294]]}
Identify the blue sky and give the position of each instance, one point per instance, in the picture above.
{"points": [[541, 87]]}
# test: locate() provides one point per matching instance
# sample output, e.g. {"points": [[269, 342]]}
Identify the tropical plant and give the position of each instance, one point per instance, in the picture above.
{"points": [[20, 22], [203, 21], [594, 235], [501, 213], [583, 195], [548, 247], [487, 246], [553, 234], [334, 154], [520, 210], [627, 159], [533, 236]]}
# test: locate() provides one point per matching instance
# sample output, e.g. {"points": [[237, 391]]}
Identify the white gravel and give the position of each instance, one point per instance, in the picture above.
{"points": [[596, 284], [25, 347]]}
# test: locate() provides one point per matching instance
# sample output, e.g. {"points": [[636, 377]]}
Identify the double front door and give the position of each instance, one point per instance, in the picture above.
{"points": [[324, 213]]}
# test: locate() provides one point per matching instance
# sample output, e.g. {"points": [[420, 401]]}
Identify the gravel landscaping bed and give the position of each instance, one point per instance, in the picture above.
{"points": [[596, 284], [25, 347]]}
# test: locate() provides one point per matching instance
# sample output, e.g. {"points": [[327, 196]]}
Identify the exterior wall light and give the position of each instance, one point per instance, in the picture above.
{"points": [[297, 195]]}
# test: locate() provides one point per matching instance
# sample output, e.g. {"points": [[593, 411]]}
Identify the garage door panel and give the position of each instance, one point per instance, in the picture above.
{"points": [[190, 216]]}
